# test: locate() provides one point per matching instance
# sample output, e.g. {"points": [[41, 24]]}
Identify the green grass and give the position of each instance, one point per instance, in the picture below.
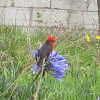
{"points": [[82, 80]]}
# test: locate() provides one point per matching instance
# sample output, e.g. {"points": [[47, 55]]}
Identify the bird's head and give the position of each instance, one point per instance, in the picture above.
{"points": [[51, 40]]}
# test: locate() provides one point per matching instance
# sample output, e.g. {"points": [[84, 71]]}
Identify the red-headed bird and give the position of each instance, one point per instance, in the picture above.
{"points": [[46, 49]]}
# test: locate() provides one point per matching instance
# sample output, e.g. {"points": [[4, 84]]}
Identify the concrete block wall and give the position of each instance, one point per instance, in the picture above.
{"points": [[69, 13]]}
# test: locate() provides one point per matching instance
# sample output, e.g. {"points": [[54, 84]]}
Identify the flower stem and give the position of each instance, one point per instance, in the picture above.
{"points": [[40, 81]]}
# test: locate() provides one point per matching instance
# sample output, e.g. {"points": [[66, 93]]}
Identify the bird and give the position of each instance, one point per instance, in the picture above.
{"points": [[46, 49]]}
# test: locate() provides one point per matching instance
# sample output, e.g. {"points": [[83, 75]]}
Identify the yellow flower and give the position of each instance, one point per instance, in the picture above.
{"points": [[39, 42], [97, 37], [88, 38]]}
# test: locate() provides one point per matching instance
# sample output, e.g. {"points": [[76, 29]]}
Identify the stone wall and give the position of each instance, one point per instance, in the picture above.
{"points": [[68, 13]]}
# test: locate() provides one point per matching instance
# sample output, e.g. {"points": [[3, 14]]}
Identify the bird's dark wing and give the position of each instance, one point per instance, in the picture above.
{"points": [[45, 49]]}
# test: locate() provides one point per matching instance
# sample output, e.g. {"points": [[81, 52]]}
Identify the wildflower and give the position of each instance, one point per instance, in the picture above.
{"points": [[55, 64], [39, 42], [88, 38], [97, 37]]}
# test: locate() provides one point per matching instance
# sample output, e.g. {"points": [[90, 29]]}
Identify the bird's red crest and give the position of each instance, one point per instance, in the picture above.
{"points": [[50, 38]]}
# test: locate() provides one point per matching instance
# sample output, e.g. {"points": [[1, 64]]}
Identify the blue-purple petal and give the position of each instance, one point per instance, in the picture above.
{"points": [[40, 45], [34, 72], [58, 76], [54, 53], [59, 57], [33, 53], [35, 68], [98, 98]]}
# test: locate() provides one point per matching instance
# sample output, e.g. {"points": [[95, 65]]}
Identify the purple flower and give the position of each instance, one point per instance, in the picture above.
{"points": [[35, 68], [55, 63]]}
